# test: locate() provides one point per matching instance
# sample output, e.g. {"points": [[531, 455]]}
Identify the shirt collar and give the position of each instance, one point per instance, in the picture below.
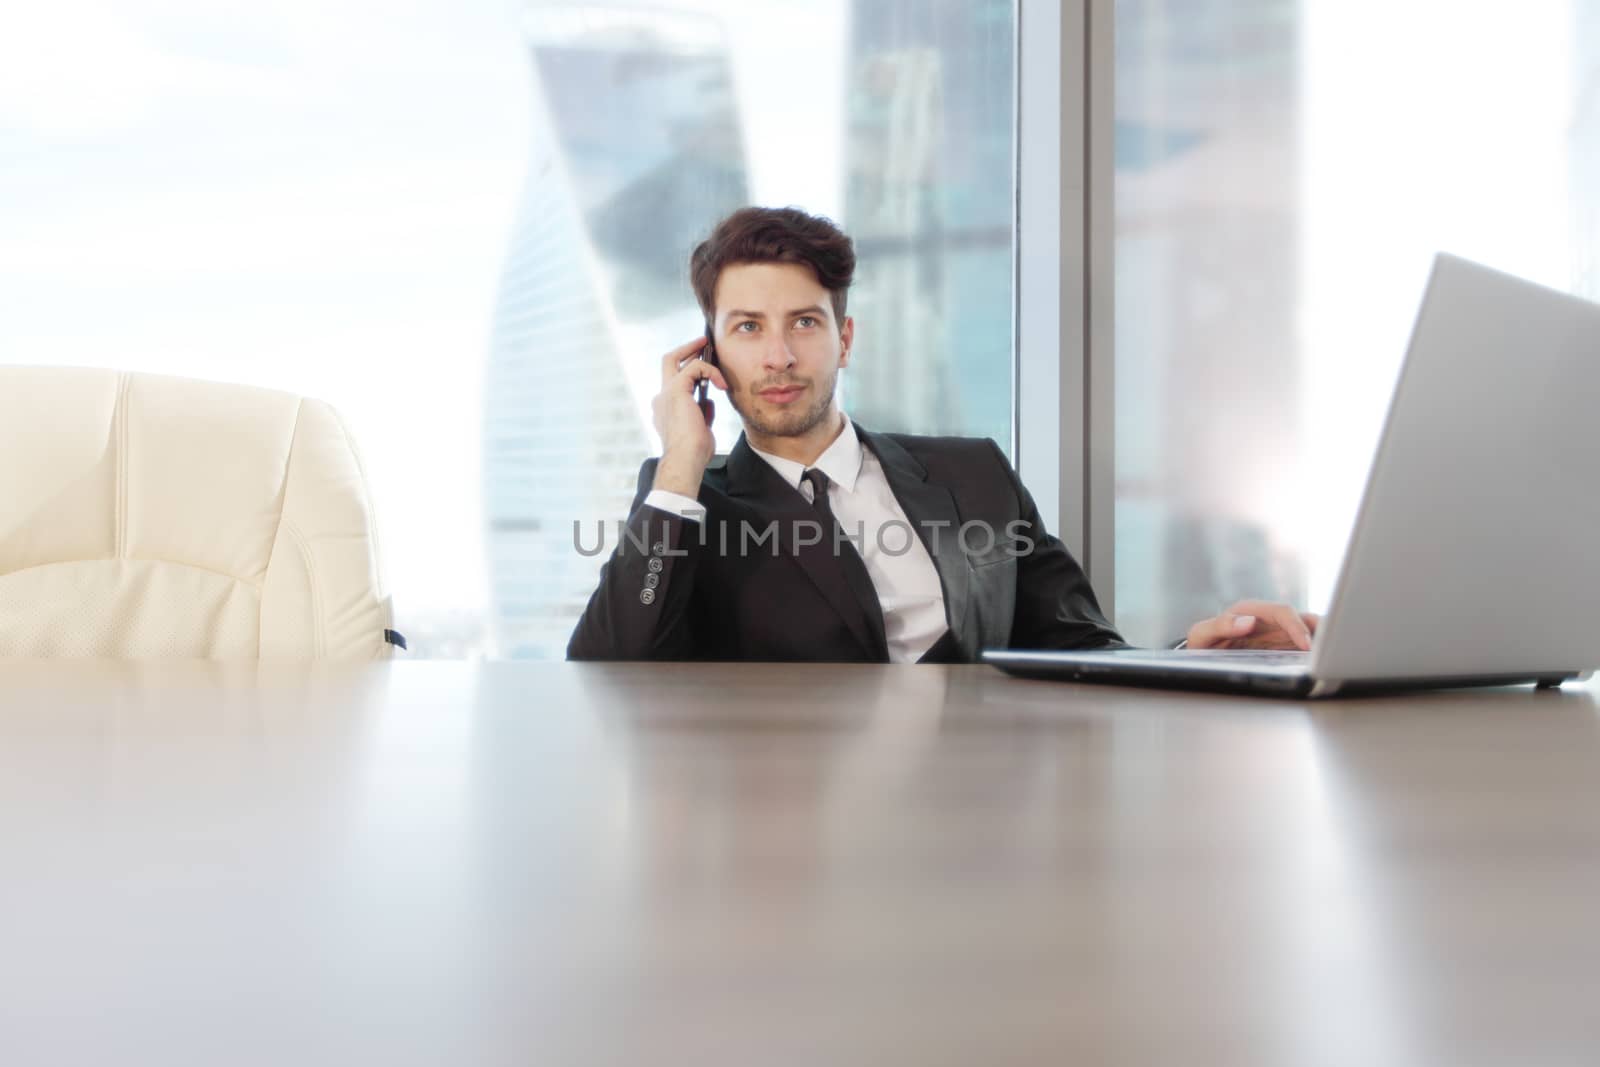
{"points": [[840, 461]]}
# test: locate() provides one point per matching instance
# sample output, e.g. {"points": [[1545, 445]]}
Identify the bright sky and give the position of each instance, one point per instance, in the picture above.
{"points": [[316, 195], [305, 195], [1453, 141]]}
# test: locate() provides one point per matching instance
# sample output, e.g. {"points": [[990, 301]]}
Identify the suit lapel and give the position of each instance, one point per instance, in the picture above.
{"points": [[929, 507], [753, 481]]}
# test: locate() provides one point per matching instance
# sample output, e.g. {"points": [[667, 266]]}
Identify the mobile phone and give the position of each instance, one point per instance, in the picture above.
{"points": [[708, 353]]}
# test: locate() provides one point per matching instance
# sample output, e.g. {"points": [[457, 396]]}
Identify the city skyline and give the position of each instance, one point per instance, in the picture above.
{"points": [[640, 143]]}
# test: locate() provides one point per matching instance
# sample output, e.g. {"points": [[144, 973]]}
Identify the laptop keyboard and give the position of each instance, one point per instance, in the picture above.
{"points": [[1247, 657]]}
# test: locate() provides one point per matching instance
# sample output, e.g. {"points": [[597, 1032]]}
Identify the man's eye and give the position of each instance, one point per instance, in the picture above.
{"points": [[744, 324], [805, 320]]}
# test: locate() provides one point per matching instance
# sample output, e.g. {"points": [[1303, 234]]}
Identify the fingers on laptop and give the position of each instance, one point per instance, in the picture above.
{"points": [[1255, 624], [1221, 631], [1277, 625]]}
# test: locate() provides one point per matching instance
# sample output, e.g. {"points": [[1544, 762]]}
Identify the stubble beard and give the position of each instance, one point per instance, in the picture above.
{"points": [[788, 424]]}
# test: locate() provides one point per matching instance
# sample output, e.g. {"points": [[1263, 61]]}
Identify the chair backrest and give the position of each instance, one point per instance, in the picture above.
{"points": [[145, 517]]}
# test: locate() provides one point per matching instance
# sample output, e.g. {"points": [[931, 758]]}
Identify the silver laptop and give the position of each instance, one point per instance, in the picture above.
{"points": [[1475, 557]]}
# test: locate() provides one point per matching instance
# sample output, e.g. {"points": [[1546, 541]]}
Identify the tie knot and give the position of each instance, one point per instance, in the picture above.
{"points": [[819, 485]]}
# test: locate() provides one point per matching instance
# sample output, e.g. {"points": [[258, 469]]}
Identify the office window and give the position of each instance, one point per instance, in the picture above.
{"points": [[1285, 171], [649, 124], [466, 224]]}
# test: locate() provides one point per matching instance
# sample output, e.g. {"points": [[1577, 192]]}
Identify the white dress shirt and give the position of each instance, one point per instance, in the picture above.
{"points": [[897, 561]]}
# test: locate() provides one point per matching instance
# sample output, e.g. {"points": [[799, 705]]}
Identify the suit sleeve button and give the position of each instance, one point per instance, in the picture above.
{"points": [[647, 597], [651, 581], [660, 548], [655, 566]]}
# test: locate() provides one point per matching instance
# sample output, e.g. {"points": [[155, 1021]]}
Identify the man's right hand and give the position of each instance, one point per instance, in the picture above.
{"points": [[683, 423]]}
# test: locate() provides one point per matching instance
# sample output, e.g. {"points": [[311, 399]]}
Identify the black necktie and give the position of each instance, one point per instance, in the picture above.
{"points": [[855, 571]]}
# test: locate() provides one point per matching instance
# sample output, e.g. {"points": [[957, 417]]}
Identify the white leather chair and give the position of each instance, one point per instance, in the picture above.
{"points": [[144, 517]]}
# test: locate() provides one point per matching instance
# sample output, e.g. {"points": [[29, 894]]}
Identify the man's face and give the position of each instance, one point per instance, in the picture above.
{"points": [[779, 347]]}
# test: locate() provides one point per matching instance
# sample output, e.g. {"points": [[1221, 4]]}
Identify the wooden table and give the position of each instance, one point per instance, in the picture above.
{"points": [[761, 864]]}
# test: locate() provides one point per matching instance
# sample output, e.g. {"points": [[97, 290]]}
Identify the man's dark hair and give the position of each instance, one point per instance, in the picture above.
{"points": [[774, 235]]}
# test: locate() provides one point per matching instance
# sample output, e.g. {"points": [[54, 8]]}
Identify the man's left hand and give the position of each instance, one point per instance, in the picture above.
{"points": [[1255, 624]]}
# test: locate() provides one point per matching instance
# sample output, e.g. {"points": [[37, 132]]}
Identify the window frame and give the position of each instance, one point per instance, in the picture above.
{"points": [[1064, 389]]}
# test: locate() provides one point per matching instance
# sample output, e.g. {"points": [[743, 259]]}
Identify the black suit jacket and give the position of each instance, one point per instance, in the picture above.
{"points": [[675, 589]]}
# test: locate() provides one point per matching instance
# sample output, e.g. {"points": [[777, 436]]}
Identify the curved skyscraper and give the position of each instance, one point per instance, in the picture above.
{"points": [[636, 153]]}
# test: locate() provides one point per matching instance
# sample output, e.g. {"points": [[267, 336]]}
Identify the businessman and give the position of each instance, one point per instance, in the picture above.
{"points": [[817, 539]]}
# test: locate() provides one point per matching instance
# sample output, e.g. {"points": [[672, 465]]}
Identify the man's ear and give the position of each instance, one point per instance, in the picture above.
{"points": [[847, 334]]}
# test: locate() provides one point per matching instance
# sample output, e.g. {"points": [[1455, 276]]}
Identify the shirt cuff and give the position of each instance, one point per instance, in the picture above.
{"points": [[676, 504]]}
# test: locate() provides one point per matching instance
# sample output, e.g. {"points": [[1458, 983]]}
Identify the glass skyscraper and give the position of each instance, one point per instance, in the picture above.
{"points": [[638, 149], [636, 152], [1207, 287], [931, 159]]}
